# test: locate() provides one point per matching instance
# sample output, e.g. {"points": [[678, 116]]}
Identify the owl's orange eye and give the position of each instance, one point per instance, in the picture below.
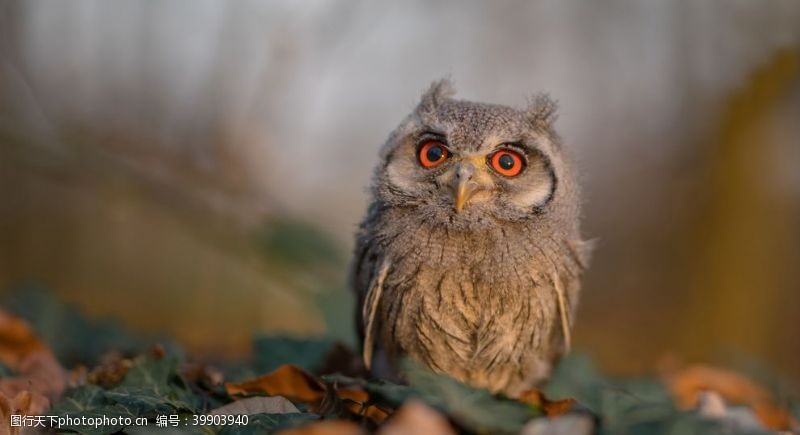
{"points": [[432, 154], [507, 162]]}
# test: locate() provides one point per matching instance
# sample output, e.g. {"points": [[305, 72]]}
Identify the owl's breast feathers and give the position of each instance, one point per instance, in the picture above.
{"points": [[479, 306]]}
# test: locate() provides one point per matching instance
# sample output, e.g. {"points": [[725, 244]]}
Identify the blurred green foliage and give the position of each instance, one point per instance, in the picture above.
{"points": [[270, 352], [74, 338], [310, 260], [297, 244]]}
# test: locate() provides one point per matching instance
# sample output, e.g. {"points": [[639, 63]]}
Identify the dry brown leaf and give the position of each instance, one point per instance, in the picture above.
{"points": [[17, 340], [414, 417], [157, 351], [551, 408], [357, 404], [35, 403], [19, 405], [113, 367], [22, 403], [41, 372], [257, 405], [77, 376], [40, 378], [326, 427], [298, 386], [287, 380], [687, 384], [202, 374]]}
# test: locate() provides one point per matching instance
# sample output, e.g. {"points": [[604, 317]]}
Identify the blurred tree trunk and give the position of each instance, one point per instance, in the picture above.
{"points": [[746, 231]]}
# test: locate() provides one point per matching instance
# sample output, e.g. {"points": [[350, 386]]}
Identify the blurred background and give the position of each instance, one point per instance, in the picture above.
{"points": [[198, 168]]}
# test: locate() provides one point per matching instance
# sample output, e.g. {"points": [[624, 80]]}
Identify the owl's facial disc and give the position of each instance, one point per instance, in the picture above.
{"points": [[468, 177]]}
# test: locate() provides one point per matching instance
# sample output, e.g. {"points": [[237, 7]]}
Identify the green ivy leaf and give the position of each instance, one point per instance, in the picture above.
{"points": [[151, 387], [88, 401], [154, 387], [475, 409]]}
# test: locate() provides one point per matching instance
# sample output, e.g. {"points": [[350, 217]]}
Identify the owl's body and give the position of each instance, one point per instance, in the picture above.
{"points": [[469, 258]]}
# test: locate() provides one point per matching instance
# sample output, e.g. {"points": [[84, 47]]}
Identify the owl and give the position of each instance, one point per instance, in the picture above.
{"points": [[469, 258]]}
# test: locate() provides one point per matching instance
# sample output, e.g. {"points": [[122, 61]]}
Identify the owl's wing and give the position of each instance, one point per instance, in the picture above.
{"points": [[370, 311], [368, 272], [580, 251], [562, 310]]}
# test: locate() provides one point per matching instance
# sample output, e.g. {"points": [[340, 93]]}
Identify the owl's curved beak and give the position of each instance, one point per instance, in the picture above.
{"points": [[464, 185], [464, 191]]}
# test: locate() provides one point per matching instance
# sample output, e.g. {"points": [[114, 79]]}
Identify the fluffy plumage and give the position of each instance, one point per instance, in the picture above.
{"points": [[486, 293]]}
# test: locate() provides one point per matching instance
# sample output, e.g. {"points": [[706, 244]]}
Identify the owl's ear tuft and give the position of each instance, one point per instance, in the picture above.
{"points": [[542, 111], [439, 91]]}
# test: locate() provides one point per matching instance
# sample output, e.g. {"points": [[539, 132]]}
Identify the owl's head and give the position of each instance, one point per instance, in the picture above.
{"points": [[461, 162]]}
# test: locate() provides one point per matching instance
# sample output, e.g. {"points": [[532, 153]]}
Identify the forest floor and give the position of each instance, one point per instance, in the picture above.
{"points": [[63, 372]]}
